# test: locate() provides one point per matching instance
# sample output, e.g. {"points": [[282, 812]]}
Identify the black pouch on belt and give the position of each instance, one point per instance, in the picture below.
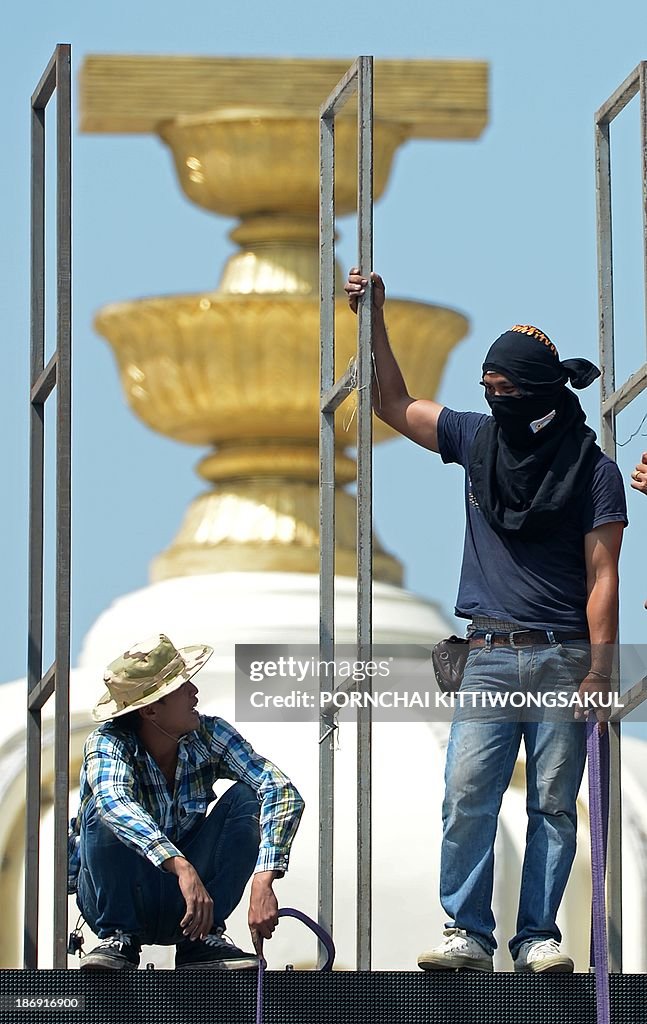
{"points": [[448, 658]]}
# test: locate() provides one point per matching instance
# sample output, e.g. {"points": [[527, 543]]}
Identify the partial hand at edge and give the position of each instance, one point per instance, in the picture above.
{"points": [[639, 475]]}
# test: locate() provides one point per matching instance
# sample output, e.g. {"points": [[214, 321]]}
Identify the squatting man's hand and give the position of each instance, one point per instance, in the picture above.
{"points": [[198, 920], [263, 914], [594, 685], [356, 286]]}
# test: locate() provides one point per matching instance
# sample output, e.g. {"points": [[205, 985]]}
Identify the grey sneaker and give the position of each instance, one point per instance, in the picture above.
{"points": [[215, 952], [457, 950], [119, 952], [542, 955]]}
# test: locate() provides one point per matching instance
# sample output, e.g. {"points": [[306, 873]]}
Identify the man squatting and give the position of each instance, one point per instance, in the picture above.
{"points": [[545, 512], [147, 863]]}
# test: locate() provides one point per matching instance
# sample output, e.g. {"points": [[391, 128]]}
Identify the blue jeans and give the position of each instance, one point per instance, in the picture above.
{"points": [[480, 759], [120, 890]]}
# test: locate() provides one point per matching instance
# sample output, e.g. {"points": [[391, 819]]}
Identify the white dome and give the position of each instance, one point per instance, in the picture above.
{"points": [[267, 607]]}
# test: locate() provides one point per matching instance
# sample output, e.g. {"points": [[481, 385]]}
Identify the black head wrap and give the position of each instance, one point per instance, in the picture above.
{"points": [[536, 454], [528, 358]]}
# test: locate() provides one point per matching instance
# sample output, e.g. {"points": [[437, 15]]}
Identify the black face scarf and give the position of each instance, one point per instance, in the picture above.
{"points": [[535, 455], [522, 420]]}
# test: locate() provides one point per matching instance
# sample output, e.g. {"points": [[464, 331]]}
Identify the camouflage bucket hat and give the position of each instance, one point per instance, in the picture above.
{"points": [[146, 672]]}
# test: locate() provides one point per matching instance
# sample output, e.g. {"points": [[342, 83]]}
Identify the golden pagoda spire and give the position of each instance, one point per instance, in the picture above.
{"points": [[237, 368]]}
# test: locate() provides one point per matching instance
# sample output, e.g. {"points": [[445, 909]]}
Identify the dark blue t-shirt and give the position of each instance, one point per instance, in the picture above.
{"points": [[539, 584]]}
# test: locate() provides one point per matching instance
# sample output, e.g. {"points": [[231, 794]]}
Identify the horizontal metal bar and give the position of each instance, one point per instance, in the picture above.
{"points": [[621, 398], [45, 382], [619, 99], [43, 690], [340, 391], [345, 88], [45, 88], [631, 700]]}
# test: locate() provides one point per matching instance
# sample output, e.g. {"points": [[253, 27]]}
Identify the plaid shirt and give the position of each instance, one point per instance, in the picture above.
{"points": [[132, 796]]}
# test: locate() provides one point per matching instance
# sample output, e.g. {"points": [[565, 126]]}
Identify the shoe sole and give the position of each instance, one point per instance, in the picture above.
{"points": [[455, 963], [107, 964], [219, 965], [556, 965]]}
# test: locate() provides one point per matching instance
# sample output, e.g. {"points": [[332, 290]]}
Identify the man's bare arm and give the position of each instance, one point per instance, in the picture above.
{"points": [[601, 553], [415, 418]]}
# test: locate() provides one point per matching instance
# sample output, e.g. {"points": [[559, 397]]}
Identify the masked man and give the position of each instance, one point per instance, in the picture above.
{"points": [[545, 512], [147, 862]]}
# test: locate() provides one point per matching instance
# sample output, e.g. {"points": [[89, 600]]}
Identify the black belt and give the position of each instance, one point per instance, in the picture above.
{"points": [[525, 638]]}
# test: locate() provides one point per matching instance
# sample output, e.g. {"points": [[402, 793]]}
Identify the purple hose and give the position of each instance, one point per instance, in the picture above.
{"points": [[321, 934], [597, 747]]}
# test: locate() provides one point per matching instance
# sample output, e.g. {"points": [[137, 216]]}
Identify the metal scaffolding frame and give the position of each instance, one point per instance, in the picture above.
{"points": [[358, 378], [613, 401], [43, 380]]}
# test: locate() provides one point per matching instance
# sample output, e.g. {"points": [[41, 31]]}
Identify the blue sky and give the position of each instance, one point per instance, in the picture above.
{"points": [[502, 229]]}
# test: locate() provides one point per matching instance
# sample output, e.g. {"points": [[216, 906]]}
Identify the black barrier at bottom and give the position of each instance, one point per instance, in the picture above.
{"points": [[304, 997]]}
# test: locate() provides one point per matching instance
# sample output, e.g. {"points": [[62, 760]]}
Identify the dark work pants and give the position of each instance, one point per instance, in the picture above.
{"points": [[120, 890]]}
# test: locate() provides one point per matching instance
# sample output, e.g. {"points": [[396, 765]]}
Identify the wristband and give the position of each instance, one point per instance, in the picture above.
{"points": [[600, 675]]}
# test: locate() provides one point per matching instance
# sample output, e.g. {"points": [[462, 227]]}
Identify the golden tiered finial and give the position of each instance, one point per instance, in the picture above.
{"points": [[238, 368]]}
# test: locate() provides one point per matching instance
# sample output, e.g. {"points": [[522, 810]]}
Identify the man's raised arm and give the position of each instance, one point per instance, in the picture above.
{"points": [[415, 418]]}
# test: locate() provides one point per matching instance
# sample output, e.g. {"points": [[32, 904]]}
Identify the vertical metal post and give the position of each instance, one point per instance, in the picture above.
{"points": [[605, 280], [643, 154], [364, 506], [613, 401], [36, 524], [63, 495], [43, 380], [608, 443], [326, 516], [359, 77]]}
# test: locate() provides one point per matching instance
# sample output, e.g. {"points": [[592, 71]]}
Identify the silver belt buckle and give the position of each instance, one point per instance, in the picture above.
{"points": [[517, 632]]}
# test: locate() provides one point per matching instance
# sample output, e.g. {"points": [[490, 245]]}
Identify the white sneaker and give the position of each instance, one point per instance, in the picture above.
{"points": [[542, 955], [457, 950]]}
